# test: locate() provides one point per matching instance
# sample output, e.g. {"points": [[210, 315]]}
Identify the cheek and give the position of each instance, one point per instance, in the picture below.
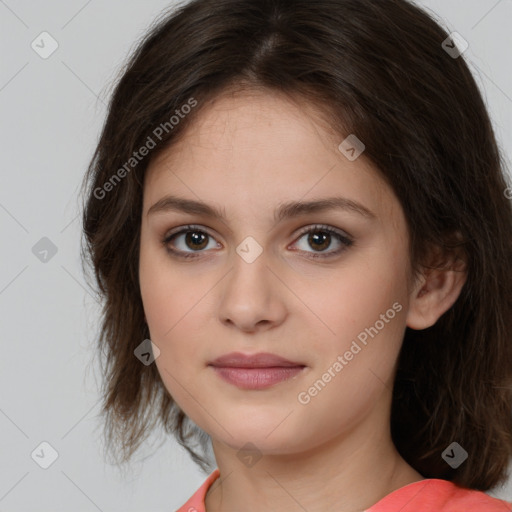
{"points": [[175, 325], [174, 305], [176, 310], [353, 298], [158, 288], [174, 315]]}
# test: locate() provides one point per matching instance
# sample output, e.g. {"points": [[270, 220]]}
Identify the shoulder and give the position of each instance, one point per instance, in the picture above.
{"points": [[439, 495], [472, 500], [196, 501]]}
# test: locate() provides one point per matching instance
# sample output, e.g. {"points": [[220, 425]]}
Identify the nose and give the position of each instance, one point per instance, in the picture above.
{"points": [[252, 297]]}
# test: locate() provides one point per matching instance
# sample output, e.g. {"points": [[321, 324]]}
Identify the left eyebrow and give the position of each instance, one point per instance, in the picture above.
{"points": [[296, 208], [284, 211]]}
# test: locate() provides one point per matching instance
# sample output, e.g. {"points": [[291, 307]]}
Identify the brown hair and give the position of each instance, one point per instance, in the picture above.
{"points": [[377, 69]]}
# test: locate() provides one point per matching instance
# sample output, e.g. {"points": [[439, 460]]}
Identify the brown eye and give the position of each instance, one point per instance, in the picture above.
{"points": [[321, 238], [189, 240], [195, 239]]}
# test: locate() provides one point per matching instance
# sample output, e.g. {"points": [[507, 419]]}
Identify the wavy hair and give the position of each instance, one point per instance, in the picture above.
{"points": [[377, 69]]}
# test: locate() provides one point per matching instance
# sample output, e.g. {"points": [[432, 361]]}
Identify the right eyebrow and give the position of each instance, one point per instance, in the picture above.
{"points": [[284, 211]]}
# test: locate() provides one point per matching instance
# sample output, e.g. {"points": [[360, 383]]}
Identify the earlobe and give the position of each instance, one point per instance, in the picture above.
{"points": [[434, 294]]}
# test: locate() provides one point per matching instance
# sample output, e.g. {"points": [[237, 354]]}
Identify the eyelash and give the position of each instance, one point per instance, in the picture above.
{"points": [[343, 238]]}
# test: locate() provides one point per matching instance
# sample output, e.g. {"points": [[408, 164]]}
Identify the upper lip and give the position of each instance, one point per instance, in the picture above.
{"points": [[261, 360]]}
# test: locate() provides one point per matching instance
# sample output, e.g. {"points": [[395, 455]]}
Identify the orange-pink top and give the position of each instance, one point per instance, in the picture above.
{"points": [[429, 495]]}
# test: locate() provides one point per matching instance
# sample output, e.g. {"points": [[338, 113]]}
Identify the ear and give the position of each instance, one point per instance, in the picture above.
{"points": [[436, 290]]}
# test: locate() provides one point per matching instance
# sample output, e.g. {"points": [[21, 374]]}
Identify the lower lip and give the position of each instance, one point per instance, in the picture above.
{"points": [[256, 378]]}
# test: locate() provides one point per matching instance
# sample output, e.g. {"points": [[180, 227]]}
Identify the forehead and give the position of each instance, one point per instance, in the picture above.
{"points": [[262, 148]]}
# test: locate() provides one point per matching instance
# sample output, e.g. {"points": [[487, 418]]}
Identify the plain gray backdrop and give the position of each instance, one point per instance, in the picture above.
{"points": [[52, 110]]}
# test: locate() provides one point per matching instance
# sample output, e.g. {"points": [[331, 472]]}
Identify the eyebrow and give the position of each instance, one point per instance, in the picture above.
{"points": [[284, 211]]}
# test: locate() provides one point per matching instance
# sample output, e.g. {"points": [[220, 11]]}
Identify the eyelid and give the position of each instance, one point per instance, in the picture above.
{"points": [[344, 238], [180, 230], [187, 227], [305, 229], [325, 227]]}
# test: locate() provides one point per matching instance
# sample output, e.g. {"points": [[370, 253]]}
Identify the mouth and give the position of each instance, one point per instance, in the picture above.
{"points": [[258, 371]]}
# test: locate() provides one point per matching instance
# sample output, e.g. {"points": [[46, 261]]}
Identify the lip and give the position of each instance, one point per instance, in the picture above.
{"points": [[256, 371], [260, 360]]}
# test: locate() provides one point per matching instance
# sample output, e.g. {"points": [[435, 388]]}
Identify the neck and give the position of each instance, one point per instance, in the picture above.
{"points": [[349, 473]]}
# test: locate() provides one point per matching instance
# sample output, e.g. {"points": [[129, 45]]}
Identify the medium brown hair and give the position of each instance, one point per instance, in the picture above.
{"points": [[376, 69]]}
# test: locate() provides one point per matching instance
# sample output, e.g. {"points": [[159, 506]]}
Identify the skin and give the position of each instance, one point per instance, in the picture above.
{"points": [[246, 154]]}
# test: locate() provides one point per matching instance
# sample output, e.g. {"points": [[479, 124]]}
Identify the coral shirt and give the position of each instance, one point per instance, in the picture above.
{"points": [[429, 495]]}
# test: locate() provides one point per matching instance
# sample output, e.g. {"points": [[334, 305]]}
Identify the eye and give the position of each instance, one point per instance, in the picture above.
{"points": [[191, 237], [320, 238], [191, 240]]}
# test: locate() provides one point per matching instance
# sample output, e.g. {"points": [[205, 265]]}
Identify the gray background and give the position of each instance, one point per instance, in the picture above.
{"points": [[51, 113]]}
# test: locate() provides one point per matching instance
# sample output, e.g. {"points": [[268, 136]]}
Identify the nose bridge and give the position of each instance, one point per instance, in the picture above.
{"points": [[250, 271], [251, 292]]}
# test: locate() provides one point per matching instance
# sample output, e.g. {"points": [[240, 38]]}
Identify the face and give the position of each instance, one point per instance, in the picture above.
{"points": [[324, 288]]}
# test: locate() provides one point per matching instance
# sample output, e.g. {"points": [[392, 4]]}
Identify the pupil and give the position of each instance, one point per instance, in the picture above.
{"points": [[315, 238], [196, 238]]}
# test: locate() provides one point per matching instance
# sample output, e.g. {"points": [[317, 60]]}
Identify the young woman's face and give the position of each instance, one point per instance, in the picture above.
{"points": [[267, 277]]}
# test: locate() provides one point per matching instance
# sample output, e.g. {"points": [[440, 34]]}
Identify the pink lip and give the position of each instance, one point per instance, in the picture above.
{"points": [[261, 360], [258, 371]]}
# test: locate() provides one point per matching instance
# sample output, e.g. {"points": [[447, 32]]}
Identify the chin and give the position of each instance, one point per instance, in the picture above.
{"points": [[264, 437]]}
